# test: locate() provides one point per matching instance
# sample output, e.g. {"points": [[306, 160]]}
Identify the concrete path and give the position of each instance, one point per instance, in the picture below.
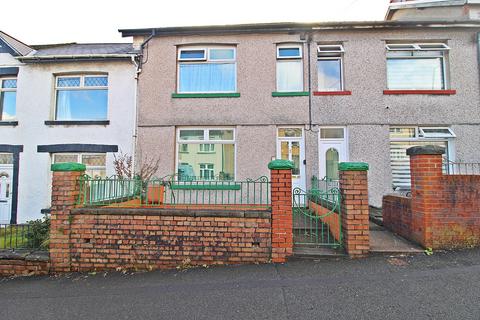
{"points": [[384, 241], [441, 286]]}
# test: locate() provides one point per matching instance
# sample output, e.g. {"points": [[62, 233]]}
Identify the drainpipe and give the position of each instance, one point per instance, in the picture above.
{"points": [[138, 65], [309, 41]]}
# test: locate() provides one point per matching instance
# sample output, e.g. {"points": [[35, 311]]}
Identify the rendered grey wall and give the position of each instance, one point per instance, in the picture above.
{"points": [[367, 113]]}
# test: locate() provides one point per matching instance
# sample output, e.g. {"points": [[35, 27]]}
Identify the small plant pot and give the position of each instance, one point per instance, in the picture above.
{"points": [[155, 194]]}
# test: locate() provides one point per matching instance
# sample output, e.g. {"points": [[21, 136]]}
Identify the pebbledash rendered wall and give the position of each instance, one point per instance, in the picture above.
{"points": [[444, 210], [36, 104], [367, 113]]}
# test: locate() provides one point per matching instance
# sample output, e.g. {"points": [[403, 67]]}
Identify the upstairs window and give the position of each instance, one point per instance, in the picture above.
{"points": [[330, 67], [8, 99], [416, 66], [289, 68], [82, 97], [207, 70]]}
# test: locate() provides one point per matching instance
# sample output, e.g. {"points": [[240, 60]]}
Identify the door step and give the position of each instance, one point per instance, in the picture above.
{"points": [[317, 252]]}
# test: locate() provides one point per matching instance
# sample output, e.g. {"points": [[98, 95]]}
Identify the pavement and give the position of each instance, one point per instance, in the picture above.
{"points": [[444, 285], [384, 241]]}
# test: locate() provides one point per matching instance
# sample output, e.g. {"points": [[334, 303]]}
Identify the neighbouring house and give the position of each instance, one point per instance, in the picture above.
{"points": [[219, 102], [60, 103], [440, 10]]}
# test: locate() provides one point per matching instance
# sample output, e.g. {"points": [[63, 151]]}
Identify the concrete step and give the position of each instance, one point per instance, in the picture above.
{"points": [[310, 252]]}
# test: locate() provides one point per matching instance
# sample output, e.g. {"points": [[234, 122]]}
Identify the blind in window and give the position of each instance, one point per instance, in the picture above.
{"points": [[400, 162], [415, 73]]}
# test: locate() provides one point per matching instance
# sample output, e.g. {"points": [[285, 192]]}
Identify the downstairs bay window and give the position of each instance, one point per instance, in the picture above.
{"points": [[95, 162], [402, 138], [207, 70], [210, 156]]}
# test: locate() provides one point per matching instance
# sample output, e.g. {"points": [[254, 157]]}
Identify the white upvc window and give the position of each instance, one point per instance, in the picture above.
{"points": [[96, 163], [417, 66], [212, 154], [402, 138], [330, 67], [8, 99], [211, 69], [289, 68], [81, 97]]}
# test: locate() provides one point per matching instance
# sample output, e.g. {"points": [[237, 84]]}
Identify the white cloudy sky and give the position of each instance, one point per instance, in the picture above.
{"points": [[55, 21]]}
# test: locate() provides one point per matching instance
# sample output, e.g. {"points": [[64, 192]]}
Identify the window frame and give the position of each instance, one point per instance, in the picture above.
{"points": [[289, 59], [82, 86], [417, 48], [2, 90], [450, 141], [206, 60], [206, 134], [79, 156], [331, 55]]}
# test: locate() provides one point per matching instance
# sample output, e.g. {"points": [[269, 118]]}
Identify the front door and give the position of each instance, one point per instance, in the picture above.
{"points": [[6, 174], [332, 150], [291, 146]]}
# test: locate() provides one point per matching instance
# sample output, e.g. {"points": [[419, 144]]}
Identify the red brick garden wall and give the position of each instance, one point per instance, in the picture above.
{"points": [[397, 214], [444, 211], [109, 239], [23, 267]]}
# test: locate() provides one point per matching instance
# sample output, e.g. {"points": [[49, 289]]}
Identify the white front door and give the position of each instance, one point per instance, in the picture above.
{"points": [[332, 150], [6, 174], [291, 146]]}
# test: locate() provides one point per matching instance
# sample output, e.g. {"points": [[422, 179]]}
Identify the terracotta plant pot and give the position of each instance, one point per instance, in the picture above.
{"points": [[155, 194]]}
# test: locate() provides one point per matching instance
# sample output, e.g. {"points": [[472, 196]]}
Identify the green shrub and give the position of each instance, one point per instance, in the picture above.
{"points": [[38, 233]]}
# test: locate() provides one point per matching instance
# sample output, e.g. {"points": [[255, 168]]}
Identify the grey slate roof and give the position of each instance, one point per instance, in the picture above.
{"points": [[18, 46], [76, 49]]}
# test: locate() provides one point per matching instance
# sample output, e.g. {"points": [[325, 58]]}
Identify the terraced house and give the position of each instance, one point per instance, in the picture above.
{"points": [[60, 103], [219, 102]]}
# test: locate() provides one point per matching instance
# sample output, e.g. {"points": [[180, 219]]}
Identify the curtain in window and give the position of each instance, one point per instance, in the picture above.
{"points": [[63, 106], [420, 74], [207, 77], [289, 76]]}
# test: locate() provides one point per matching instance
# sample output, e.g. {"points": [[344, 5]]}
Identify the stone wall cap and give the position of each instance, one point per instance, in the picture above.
{"points": [[68, 166], [428, 149], [279, 164], [353, 166]]}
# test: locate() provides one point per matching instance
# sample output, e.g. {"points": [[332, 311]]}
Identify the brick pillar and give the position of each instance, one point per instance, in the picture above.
{"points": [[426, 174], [355, 223], [65, 190], [282, 225]]}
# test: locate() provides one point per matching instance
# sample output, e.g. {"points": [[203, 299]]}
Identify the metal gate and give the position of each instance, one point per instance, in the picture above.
{"points": [[317, 217]]}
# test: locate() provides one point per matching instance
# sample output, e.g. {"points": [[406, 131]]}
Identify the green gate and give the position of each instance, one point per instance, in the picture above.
{"points": [[317, 217]]}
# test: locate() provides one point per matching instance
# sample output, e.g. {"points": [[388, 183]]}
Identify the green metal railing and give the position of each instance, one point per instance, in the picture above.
{"points": [[173, 191], [323, 184], [317, 217], [17, 236]]}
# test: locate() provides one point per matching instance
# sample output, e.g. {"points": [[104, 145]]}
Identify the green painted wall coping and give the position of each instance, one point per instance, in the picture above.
{"points": [[206, 95], [68, 166], [290, 94], [205, 187], [279, 164], [353, 166]]}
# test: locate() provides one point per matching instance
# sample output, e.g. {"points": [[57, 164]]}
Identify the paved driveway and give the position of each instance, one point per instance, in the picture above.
{"points": [[442, 286]]}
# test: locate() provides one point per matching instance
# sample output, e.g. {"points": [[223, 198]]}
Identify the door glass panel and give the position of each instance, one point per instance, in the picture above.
{"points": [[331, 133], [284, 150], [332, 159], [296, 157], [289, 132]]}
